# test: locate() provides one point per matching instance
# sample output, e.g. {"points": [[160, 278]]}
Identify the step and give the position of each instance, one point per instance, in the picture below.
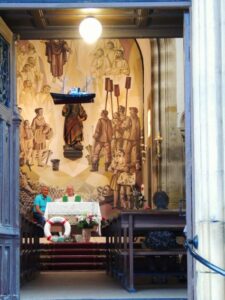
{"points": [[73, 245], [71, 251], [72, 258], [167, 298], [71, 266]]}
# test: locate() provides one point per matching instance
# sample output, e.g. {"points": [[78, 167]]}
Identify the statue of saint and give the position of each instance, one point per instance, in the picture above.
{"points": [[73, 127]]}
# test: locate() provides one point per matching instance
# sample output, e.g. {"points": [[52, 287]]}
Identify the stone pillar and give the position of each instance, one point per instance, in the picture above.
{"points": [[208, 67], [145, 47], [168, 175]]}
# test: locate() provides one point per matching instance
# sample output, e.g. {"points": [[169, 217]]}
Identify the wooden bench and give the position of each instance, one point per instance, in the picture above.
{"points": [[124, 255]]}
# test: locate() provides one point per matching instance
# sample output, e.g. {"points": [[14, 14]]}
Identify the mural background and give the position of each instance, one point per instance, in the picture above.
{"points": [[42, 130]]}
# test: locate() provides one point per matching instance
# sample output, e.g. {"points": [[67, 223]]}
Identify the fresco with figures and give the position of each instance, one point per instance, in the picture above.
{"points": [[95, 147]]}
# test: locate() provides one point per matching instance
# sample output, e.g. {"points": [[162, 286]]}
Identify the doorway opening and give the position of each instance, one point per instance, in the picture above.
{"points": [[154, 98], [165, 147]]}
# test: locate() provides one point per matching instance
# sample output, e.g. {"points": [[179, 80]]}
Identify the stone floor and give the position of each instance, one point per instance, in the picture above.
{"points": [[92, 285]]}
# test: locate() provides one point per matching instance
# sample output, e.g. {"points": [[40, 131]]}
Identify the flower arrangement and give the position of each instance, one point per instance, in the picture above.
{"points": [[88, 221], [104, 222]]}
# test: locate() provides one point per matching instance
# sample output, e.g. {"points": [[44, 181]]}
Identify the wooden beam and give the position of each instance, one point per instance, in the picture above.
{"points": [[95, 4], [39, 18], [142, 18], [160, 32]]}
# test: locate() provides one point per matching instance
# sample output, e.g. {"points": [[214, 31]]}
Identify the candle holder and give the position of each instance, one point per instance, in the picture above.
{"points": [[65, 198]]}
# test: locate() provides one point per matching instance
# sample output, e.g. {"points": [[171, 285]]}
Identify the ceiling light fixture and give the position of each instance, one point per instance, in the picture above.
{"points": [[90, 29]]}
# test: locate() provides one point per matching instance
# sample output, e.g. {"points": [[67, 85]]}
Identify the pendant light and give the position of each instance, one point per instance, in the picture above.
{"points": [[90, 30]]}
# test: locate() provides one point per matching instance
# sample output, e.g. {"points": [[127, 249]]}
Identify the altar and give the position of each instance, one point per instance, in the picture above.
{"points": [[72, 210]]}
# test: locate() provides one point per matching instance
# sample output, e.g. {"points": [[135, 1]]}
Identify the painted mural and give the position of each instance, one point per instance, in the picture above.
{"points": [[105, 134]]}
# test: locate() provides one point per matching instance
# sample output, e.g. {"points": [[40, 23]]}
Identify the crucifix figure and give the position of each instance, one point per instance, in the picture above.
{"points": [[158, 141]]}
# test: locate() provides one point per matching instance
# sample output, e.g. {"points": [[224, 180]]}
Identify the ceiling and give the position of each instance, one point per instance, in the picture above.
{"points": [[117, 22]]}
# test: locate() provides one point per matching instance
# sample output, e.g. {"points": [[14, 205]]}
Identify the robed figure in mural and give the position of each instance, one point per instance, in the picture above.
{"points": [[102, 140], [41, 133], [56, 52], [132, 149], [74, 115]]}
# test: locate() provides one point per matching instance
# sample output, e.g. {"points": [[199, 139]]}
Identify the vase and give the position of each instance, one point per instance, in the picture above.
{"points": [[86, 234], [95, 228]]}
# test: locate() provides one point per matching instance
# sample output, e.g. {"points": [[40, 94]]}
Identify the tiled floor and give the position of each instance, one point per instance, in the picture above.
{"points": [[91, 285]]}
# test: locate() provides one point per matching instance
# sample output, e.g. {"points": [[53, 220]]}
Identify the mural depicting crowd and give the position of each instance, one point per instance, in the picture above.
{"points": [[120, 139], [114, 148], [109, 60]]}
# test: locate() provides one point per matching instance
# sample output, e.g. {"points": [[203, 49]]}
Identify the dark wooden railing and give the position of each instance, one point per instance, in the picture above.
{"points": [[29, 248], [127, 258], [191, 245]]}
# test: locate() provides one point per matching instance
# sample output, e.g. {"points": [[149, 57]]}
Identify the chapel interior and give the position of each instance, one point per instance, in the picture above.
{"points": [[130, 165]]}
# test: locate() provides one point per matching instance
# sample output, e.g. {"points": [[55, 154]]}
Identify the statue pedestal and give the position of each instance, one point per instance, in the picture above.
{"points": [[72, 153]]}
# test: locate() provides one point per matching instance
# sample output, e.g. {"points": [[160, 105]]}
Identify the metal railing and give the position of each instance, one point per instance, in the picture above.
{"points": [[190, 245]]}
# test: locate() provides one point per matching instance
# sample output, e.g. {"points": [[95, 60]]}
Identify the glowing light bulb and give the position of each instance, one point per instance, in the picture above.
{"points": [[90, 30]]}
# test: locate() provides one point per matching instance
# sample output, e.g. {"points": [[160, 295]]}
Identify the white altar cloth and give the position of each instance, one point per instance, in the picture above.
{"points": [[72, 210]]}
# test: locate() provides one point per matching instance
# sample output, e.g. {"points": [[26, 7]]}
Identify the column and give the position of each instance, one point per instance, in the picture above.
{"points": [[208, 53]]}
